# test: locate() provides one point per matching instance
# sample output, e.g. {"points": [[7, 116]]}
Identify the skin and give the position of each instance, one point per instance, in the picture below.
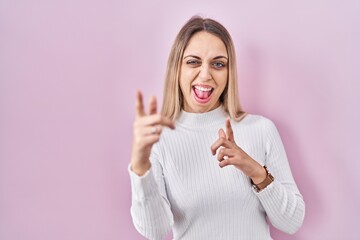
{"points": [[231, 154], [204, 64], [146, 131]]}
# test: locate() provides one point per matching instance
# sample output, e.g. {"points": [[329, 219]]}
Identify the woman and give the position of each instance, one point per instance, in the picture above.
{"points": [[198, 179]]}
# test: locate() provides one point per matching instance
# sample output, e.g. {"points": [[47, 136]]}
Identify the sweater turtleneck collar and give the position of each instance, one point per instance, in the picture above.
{"points": [[196, 120]]}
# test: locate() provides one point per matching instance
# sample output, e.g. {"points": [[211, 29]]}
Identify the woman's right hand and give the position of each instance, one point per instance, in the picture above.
{"points": [[147, 131]]}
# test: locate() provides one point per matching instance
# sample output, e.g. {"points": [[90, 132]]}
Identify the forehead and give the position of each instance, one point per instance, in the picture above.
{"points": [[205, 43]]}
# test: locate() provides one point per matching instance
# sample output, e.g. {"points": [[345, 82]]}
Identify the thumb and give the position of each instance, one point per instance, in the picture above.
{"points": [[222, 133]]}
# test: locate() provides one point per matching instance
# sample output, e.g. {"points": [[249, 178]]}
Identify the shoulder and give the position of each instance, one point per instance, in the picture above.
{"points": [[256, 125], [257, 121]]}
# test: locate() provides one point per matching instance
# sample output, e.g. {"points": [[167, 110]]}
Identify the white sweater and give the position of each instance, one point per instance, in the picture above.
{"points": [[186, 190]]}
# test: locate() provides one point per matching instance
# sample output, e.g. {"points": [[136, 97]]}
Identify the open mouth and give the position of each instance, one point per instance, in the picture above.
{"points": [[202, 94]]}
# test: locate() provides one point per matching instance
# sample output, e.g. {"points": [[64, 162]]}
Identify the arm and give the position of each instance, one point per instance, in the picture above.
{"points": [[281, 199], [150, 208]]}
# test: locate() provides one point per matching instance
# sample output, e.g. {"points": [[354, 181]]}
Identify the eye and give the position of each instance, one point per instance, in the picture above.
{"points": [[218, 64], [193, 62]]}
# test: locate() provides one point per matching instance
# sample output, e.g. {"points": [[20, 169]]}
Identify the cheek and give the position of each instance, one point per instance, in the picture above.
{"points": [[183, 83], [221, 80], [186, 77]]}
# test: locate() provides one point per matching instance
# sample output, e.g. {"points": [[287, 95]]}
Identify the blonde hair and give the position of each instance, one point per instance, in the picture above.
{"points": [[173, 99]]}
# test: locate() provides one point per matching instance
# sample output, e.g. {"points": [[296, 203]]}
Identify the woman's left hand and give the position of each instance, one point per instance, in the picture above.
{"points": [[231, 154]]}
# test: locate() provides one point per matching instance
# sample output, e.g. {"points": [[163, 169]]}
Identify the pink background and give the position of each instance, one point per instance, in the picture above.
{"points": [[68, 75]]}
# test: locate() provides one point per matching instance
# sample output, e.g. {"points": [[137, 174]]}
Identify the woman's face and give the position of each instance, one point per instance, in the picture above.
{"points": [[203, 73]]}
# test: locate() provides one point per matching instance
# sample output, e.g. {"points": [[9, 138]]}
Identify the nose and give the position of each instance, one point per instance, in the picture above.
{"points": [[204, 73]]}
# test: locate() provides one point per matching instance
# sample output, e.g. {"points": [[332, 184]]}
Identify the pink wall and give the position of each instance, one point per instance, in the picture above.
{"points": [[68, 75]]}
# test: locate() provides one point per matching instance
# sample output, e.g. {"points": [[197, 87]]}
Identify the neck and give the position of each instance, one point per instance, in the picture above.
{"points": [[201, 120]]}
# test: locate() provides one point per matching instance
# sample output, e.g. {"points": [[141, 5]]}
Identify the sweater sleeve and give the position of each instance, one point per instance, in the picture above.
{"points": [[150, 208], [282, 201]]}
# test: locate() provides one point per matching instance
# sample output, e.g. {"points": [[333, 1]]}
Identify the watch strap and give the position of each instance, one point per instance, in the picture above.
{"points": [[268, 179]]}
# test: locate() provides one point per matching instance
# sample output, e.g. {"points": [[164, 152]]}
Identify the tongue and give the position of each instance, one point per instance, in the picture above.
{"points": [[202, 94]]}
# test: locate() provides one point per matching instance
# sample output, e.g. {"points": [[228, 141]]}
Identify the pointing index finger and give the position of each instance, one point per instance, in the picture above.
{"points": [[229, 131], [139, 104], [220, 142], [152, 105]]}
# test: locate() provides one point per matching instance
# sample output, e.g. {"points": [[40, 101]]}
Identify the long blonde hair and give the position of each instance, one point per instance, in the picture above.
{"points": [[173, 99]]}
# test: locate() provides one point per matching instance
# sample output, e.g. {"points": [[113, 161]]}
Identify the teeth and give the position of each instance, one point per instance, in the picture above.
{"points": [[204, 89]]}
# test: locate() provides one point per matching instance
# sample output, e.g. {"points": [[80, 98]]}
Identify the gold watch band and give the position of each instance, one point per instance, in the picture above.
{"points": [[260, 186]]}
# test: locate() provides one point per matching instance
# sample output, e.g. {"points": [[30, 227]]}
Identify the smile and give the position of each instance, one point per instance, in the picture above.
{"points": [[202, 94]]}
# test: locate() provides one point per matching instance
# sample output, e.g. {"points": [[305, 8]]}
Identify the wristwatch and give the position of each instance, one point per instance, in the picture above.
{"points": [[260, 186]]}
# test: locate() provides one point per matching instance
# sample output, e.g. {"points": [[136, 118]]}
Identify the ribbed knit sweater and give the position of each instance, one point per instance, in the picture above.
{"points": [[186, 190]]}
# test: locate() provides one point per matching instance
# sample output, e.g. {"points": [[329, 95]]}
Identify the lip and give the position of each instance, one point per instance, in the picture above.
{"points": [[202, 85]]}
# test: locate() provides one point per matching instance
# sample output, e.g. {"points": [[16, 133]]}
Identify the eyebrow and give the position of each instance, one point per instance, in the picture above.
{"points": [[194, 56]]}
